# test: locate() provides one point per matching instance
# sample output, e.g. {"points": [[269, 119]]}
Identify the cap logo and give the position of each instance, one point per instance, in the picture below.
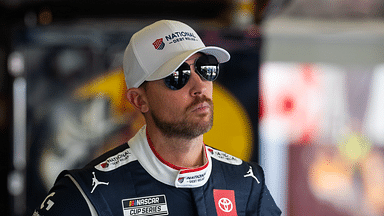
{"points": [[175, 37], [159, 44], [180, 36]]}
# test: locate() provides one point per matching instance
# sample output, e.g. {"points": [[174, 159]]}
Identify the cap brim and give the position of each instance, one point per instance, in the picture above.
{"points": [[167, 68]]}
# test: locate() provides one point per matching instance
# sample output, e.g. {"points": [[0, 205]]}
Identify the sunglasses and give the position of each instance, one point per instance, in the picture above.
{"points": [[206, 66]]}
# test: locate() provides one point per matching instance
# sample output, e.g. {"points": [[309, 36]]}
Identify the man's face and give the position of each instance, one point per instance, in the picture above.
{"points": [[185, 113]]}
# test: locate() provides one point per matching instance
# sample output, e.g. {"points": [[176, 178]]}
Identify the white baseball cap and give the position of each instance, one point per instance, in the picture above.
{"points": [[157, 50]]}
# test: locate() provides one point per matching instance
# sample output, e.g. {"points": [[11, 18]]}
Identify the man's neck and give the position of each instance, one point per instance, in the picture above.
{"points": [[181, 152]]}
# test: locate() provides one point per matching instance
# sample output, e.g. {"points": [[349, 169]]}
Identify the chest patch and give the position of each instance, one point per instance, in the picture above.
{"points": [[150, 205], [225, 202], [116, 161], [224, 157]]}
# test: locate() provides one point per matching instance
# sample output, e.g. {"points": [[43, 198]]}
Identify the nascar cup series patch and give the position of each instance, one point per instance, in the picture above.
{"points": [[150, 205]]}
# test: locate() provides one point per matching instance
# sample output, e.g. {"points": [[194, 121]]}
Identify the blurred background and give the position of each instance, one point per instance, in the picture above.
{"points": [[303, 93]]}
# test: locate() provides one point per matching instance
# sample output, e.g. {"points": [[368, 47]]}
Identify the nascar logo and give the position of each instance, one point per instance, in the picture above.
{"points": [[151, 205]]}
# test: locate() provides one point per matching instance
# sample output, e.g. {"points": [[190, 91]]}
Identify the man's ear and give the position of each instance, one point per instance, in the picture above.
{"points": [[137, 97]]}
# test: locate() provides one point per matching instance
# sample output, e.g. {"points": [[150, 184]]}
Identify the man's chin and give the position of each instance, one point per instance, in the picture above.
{"points": [[189, 128], [186, 130], [202, 126]]}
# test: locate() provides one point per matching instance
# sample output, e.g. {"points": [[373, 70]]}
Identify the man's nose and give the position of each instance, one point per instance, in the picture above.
{"points": [[199, 84]]}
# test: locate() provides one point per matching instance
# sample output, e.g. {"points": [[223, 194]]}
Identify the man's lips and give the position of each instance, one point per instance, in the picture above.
{"points": [[201, 107]]}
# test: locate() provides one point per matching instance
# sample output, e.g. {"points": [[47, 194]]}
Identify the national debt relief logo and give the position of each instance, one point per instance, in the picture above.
{"points": [[150, 205], [159, 44]]}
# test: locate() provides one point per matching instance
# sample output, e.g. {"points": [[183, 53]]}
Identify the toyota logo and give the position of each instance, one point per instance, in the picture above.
{"points": [[225, 205]]}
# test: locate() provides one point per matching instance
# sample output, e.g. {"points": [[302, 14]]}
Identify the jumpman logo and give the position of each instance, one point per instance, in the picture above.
{"points": [[96, 182], [250, 174]]}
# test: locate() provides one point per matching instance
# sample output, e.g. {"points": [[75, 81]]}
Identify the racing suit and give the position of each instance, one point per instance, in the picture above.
{"points": [[133, 179]]}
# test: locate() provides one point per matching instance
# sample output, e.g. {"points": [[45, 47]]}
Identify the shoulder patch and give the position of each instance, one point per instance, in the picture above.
{"points": [[224, 157], [116, 161]]}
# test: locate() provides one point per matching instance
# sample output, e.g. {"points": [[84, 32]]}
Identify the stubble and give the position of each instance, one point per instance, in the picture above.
{"points": [[186, 128]]}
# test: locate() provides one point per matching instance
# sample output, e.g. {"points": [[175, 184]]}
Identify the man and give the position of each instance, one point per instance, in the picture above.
{"points": [[165, 169]]}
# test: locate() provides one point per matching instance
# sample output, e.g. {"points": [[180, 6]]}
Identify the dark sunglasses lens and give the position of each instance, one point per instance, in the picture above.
{"points": [[178, 78], [208, 67]]}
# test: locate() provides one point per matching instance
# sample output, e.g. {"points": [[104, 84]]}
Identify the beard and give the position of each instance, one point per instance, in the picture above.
{"points": [[186, 128]]}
